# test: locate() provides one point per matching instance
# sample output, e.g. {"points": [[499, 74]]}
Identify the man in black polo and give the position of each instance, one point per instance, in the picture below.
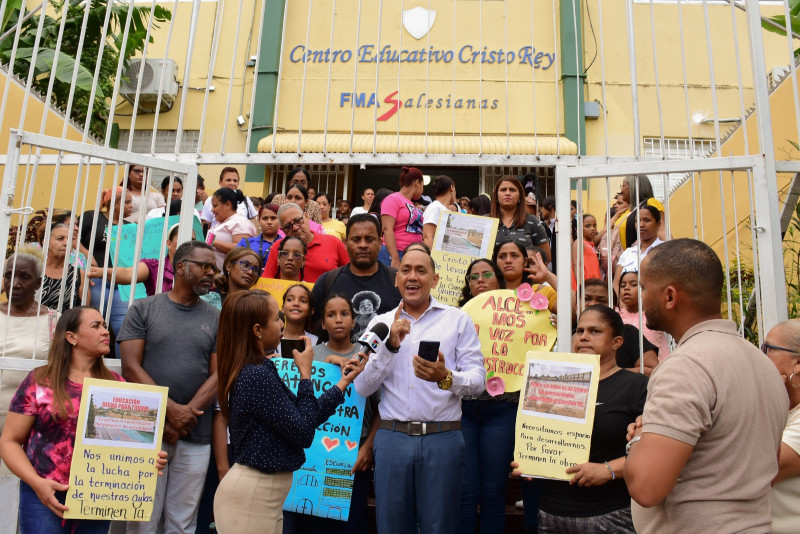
{"points": [[367, 282]]}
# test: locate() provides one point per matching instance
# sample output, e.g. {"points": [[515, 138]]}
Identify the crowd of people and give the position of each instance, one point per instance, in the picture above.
{"points": [[679, 388]]}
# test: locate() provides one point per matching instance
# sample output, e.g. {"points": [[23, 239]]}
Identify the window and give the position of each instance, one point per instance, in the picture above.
{"points": [[674, 148]]}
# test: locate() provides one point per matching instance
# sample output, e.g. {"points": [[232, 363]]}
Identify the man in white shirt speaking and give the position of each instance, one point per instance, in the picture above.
{"points": [[419, 449]]}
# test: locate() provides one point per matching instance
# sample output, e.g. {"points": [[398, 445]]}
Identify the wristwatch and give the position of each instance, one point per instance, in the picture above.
{"points": [[446, 382], [390, 347]]}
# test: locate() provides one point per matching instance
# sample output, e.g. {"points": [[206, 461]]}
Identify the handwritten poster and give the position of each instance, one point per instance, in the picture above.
{"points": [[277, 288], [556, 413], [459, 240], [152, 238], [508, 328], [113, 473], [323, 486]]}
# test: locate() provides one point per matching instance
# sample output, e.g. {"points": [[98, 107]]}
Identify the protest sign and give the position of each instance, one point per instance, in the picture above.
{"points": [[277, 288], [459, 240], [152, 238], [113, 472], [323, 486], [508, 328], [556, 413]]}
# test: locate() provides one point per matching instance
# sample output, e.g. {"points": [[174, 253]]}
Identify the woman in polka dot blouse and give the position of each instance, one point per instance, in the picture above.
{"points": [[269, 425]]}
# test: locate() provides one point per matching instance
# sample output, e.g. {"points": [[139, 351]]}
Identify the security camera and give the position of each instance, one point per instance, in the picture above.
{"points": [[240, 120]]}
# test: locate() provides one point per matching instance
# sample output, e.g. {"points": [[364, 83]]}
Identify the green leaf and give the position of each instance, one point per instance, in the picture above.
{"points": [[780, 20], [66, 64], [11, 6]]}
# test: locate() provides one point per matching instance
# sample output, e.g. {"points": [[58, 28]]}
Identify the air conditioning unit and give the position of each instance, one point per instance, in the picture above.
{"points": [[156, 75]]}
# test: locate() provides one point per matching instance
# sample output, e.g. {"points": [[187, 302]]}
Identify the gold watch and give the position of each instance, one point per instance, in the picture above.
{"points": [[446, 382]]}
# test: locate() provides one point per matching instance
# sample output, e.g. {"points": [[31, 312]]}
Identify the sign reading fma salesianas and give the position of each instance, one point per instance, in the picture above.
{"points": [[323, 486], [113, 472]]}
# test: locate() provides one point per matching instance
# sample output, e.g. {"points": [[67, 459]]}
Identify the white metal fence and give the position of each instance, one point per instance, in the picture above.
{"points": [[720, 51]]}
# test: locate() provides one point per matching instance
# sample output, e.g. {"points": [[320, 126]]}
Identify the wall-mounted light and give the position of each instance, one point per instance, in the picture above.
{"points": [[700, 118]]}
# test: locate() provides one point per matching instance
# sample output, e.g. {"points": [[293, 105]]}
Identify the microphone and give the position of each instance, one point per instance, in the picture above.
{"points": [[372, 340]]}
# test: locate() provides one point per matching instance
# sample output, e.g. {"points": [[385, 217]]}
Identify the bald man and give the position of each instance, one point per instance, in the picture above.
{"points": [[703, 455]]}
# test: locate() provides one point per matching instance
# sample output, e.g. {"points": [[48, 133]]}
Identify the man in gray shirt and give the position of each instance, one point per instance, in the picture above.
{"points": [[170, 340]]}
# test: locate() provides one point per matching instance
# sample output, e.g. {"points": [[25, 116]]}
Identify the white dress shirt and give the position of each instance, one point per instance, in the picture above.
{"points": [[629, 259], [404, 396]]}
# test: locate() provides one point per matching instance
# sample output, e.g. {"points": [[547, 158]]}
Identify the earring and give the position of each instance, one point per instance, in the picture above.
{"points": [[258, 336], [795, 383]]}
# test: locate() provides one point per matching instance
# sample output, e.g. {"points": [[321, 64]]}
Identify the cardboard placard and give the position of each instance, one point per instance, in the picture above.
{"points": [[459, 240], [555, 414], [113, 473], [152, 238], [277, 288], [323, 486], [508, 328]]}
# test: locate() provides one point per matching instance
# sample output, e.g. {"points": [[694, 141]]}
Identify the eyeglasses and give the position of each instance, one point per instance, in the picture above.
{"points": [[283, 254], [488, 275], [206, 265], [766, 347], [245, 266], [288, 227]]}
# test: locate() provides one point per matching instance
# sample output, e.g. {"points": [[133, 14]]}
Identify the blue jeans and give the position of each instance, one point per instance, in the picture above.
{"points": [[488, 429], [118, 307], [36, 518], [417, 481], [385, 258]]}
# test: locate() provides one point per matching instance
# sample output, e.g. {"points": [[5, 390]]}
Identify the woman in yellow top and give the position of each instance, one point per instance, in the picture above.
{"points": [[625, 228], [332, 226]]}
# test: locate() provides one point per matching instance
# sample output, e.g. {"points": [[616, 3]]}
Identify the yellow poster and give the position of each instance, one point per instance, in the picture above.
{"points": [[459, 240], [277, 288], [113, 473], [508, 328], [556, 413]]}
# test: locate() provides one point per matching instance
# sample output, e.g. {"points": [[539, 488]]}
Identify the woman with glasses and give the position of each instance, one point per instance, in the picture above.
{"points": [[487, 424], [231, 227], [782, 346], [291, 259], [242, 267]]}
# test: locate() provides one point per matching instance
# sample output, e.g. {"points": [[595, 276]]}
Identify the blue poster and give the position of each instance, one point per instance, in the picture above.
{"points": [[151, 246], [324, 485]]}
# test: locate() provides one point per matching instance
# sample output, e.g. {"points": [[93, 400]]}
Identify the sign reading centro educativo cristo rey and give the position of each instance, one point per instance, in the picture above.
{"points": [[418, 22]]}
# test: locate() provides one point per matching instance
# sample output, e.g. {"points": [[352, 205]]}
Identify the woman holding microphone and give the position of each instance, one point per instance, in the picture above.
{"points": [[269, 425]]}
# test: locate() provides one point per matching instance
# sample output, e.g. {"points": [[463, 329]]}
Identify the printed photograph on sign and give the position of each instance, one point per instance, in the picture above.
{"points": [[121, 419], [557, 391], [464, 234]]}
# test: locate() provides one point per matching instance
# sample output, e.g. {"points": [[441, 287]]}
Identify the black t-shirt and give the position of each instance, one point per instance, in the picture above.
{"points": [[371, 295], [99, 252], [531, 233], [628, 353], [620, 399]]}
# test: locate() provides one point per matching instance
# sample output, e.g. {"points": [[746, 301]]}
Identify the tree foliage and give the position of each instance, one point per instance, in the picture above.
{"points": [[63, 71]]}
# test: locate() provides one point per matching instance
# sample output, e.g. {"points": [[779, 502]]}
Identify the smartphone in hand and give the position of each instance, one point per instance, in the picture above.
{"points": [[429, 350], [288, 346]]}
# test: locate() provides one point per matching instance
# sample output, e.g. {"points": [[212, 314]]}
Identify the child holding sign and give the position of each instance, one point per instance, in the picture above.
{"points": [[338, 322], [39, 435]]}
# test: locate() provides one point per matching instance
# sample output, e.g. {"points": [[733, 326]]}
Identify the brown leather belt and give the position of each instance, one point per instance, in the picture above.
{"points": [[421, 428]]}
